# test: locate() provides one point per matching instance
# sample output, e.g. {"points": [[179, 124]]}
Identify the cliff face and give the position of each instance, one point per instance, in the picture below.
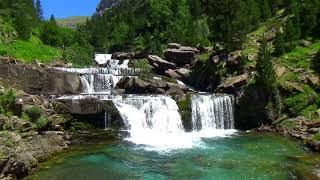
{"points": [[105, 4], [37, 79]]}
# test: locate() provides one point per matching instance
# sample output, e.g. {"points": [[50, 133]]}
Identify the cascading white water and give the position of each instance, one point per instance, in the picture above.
{"points": [[153, 121], [211, 112], [156, 122], [99, 83]]}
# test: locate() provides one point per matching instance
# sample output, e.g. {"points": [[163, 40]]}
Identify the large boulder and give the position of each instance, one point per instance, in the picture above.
{"points": [[232, 84], [160, 65], [38, 79], [180, 55], [154, 86]]}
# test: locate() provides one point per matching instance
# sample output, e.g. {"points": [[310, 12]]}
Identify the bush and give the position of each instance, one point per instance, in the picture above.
{"points": [[7, 101], [34, 113], [78, 55], [42, 123], [317, 136]]}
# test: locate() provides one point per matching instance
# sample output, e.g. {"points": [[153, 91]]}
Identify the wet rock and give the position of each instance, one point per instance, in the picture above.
{"points": [[184, 73], [160, 65]]}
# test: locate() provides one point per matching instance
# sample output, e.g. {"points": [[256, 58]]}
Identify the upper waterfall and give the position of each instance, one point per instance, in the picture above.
{"points": [[102, 80], [211, 112]]}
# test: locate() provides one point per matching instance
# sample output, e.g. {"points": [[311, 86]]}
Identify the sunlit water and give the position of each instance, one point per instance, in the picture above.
{"points": [[239, 156]]}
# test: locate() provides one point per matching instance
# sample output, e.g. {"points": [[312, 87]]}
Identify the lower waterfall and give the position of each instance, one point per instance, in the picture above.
{"points": [[156, 123], [211, 112]]}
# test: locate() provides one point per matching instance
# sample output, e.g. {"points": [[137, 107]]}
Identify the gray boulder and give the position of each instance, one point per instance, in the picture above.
{"points": [[160, 65]]}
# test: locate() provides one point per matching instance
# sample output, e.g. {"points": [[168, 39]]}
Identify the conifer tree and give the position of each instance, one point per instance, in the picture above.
{"points": [[279, 43], [266, 9], [265, 71], [39, 10]]}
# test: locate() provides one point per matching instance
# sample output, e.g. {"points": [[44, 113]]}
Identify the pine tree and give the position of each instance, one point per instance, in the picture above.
{"points": [[279, 44], [53, 20], [266, 9], [39, 10], [265, 71], [195, 8]]}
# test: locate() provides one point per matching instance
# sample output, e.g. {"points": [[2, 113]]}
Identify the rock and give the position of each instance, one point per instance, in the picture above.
{"points": [[184, 73], [139, 86], [313, 80], [280, 71], [305, 43], [232, 83], [174, 46], [180, 55], [35, 79], [123, 55], [314, 130], [160, 65], [313, 124], [2, 90], [294, 86], [172, 74]]}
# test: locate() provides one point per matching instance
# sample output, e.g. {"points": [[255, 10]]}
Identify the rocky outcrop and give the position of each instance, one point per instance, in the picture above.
{"points": [[180, 55], [160, 65], [38, 79], [233, 84], [123, 55], [140, 86], [21, 153]]}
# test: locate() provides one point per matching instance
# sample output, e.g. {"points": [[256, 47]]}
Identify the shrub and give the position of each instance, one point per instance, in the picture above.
{"points": [[7, 101], [317, 136], [78, 55], [42, 123], [34, 113]]}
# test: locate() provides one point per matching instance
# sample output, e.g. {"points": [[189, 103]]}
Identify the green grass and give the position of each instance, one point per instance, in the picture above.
{"points": [[30, 50], [300, 57], [74, 20], [317, 136]]}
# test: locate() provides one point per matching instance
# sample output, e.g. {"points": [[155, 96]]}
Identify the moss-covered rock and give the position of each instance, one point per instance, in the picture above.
{"points": [[186, 112]]}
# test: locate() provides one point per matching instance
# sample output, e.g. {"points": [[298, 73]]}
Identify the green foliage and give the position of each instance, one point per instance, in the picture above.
{"points": [[78, 55], [265, 71], [317, 136], [41, 124], [54, 35], [7, 138], [7, 101], [34, 113], [299, 104], [27, 51]]}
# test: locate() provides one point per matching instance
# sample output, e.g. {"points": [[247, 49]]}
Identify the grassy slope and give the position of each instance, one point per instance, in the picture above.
{"points": [[26, 51], [74, 20]]}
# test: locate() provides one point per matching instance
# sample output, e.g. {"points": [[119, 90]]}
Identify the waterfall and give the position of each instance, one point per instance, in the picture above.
{"points": [[153, 121], [211, 112], [99, 83]]}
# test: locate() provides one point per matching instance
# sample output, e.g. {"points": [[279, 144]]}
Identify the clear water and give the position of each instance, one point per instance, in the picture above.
{"points": [[240, 156]]}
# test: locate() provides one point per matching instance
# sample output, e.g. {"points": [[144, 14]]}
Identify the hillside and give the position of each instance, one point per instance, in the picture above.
{"points": [[72, 21]]}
